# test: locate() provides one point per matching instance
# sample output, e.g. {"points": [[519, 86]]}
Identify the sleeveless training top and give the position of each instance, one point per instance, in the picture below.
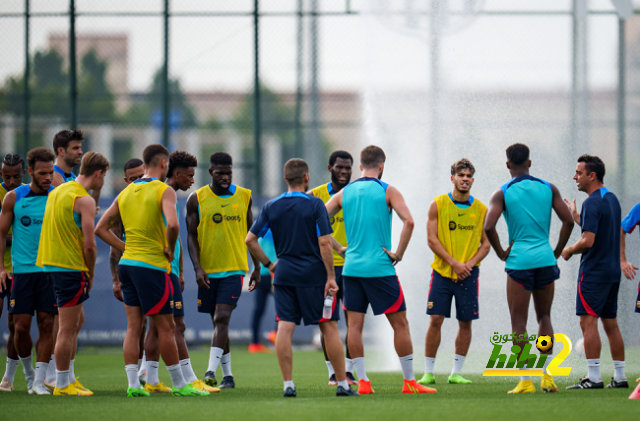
{"points": [[61, 239], [70, 177], [460, 227], [325, 192], [527, 211], [367, 222], [7, 250], [223, 229]]}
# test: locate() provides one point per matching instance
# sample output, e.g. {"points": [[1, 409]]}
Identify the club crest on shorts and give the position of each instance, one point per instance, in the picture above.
{"points": [[430, 306], [12, 303], [638, 304], [199, 303], [171, 303], [179, 305]]}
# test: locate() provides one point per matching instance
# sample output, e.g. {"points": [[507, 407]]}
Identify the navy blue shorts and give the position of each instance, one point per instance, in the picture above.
{"points": [[70, 288], [32, 292], [597, 299], [7, 291], [538, 278], [300, 303], [442, 290], [178, 304], [221, 291], [384, 293], [150, 289], [638, 300]]}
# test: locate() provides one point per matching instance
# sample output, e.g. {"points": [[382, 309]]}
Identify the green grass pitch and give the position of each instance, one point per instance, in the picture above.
{"points": [[258, 396]]}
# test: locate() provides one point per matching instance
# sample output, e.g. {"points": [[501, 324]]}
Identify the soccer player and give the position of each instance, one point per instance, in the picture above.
{"points": [[31, 288], [218, 218], [11, 170], [531, 264], [182, 168], [628, 225], [261, 294], [369, 274], [340, 167], [147, 210], [67, 251], [456, 237], [304, 273], [599, 274]]}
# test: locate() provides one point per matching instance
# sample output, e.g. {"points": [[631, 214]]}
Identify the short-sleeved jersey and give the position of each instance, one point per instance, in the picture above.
{"points": [[296, 221], [632, 219], [28, 215], [61, 239], [528, 202], [7, 251], [325, 192], [66, 177], [223, 229], [140, 206], [269, 249], [460, 226], [601, 215], [367, 222]]}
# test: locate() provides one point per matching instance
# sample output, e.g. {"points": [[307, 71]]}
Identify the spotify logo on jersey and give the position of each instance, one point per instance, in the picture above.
{"points": [[452, 226], [217, 218], [26, 221]]}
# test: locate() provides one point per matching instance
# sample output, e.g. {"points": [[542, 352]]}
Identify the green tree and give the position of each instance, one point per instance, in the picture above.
{"points": [[95, 99]]}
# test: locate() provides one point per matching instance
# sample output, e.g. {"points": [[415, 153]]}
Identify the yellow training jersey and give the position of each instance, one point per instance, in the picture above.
{"points": [[140, 205], [459, 231], [61, 239], [7, 250], [223, 229], [337, 222]]}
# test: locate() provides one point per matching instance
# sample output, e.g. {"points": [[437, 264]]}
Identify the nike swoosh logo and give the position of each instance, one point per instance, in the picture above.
{"points": [[136, 191], [25, 206], [461, 214], [222, 206]]}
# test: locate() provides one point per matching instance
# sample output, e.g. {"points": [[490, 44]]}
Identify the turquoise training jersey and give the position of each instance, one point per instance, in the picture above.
{"points": [[27, 224], [367, 222], [175, 264], [66, 177], [527, 211]]}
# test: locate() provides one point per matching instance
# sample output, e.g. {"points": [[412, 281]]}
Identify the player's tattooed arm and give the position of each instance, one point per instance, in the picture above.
{"points": [[564, 213], [168, 203], [6, 218], [334, 205], [105, 228], [86, 208], [395, 200], [193, 220], [254, 279], [461, 269], [496, 207]]}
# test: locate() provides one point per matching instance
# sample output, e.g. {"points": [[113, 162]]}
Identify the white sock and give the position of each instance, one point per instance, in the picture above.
{"points": [[215, 354], [358, 363], [593, 366], [458, 362], [139, 363], [225, 363], [51, 372], [546, 363], [41, 372], [143, 365], [72, 373], [10, 370], [62, 379], [176, 376], [289, 383], [27, 367], [132, 375], [330, 367], [348, 365], [344, 384], [187, 371], [429, 364], [618, 367], [152, 372], [406, 363]]}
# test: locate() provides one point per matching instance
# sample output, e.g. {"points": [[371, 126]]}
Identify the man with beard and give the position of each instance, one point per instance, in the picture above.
{"points": [[456, 237], [218, 218], [12, 171], [340, 167]]}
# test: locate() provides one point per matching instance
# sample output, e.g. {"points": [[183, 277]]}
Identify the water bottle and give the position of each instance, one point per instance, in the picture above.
{"points": [[328, 307]]}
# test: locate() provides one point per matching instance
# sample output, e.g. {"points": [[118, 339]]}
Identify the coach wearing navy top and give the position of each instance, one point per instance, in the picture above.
{"points": [[599, 275], [303, 274]]}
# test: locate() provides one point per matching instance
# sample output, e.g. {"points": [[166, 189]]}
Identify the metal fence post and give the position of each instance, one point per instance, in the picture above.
{"points": [[166, 98], [257, 129], [27, 73], [73, 79], [621, 97], [298, 123]]}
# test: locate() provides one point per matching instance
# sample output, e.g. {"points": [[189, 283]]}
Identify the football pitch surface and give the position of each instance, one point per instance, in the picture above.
{"points": [[258, 396]]}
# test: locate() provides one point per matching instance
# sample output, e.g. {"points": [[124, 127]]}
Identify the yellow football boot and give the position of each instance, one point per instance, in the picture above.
{"points": [[524, 386], [83, 390], [200, 385], [158, 388], [547, 385], [67, 391]]}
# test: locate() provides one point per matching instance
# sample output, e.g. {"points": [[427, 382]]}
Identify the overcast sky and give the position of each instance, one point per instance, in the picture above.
{"points": [[487, 52]]}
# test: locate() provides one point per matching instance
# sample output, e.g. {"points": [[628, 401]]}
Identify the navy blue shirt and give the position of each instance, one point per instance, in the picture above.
{"points": [[296, 221], [601, 215]]}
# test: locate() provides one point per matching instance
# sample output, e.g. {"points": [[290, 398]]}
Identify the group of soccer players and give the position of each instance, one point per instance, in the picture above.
{"points": [[332, 246]]}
